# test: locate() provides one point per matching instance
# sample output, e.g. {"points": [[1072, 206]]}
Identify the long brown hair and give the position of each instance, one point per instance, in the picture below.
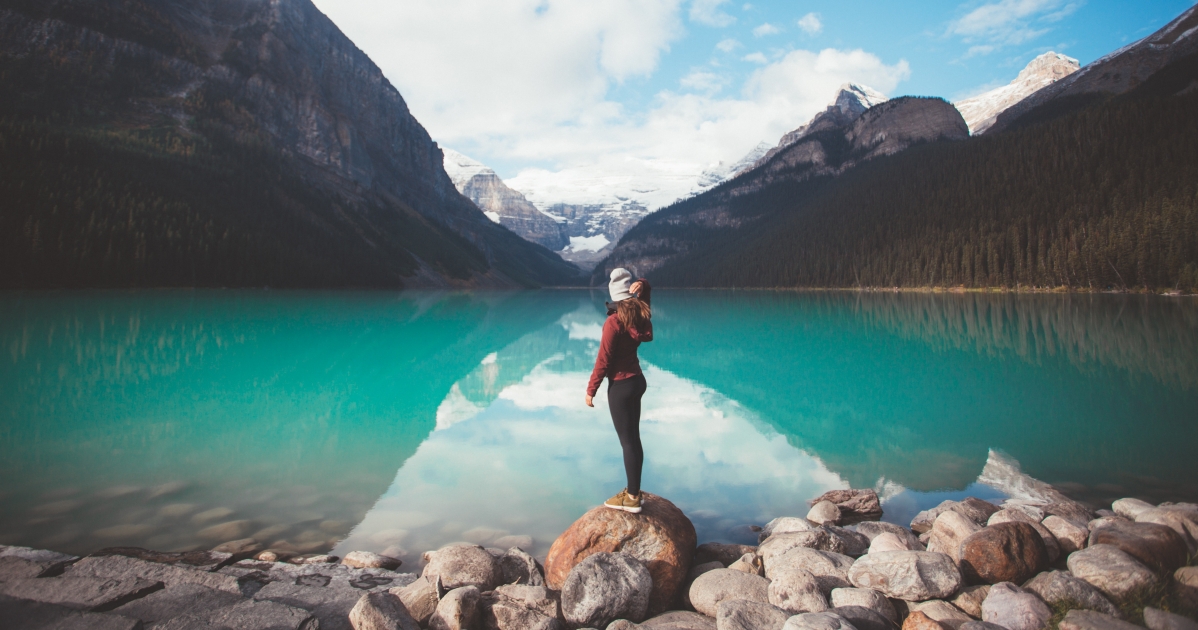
{"points": [[633, 314]]}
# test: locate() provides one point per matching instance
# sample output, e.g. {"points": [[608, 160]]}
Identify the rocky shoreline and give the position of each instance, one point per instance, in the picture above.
{"points": [[1036, 560]]}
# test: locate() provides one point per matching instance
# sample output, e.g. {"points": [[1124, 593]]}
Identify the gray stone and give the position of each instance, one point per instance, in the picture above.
{"points": [[831, 570], [748, 563], [855, 505], [1011, 607], [713, 587], [1130, 507], [1157, 619], [824, 512], [83, 593], [381, 611], [907, 575], [887, 541], [331, 606], [972, 508], [247, 615], [20, 614], [1103, 520], [1180, 519], [779, 544], [521, 568], [1016, 515], [872, 529], [457, 610], [35, 555], [608, 586], [1090, 620], [124, 567], [1111, 570], [420, 598], [939, 610], [948, 532], [465, 565], [537, 598], [796, 591], [695, 572], [520, 607], [864, 598], [1185, 586], [970, 599], [177, 600], [785, 525], [14, 568], [980, 625], [855, 544], [741, 614], [1061, 588], [679, 620], [369, 560], [723, 553], [818, 621], [1070, 536], [864, 618]]}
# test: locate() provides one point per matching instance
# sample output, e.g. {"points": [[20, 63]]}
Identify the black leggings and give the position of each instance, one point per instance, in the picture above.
{"points": [[624, 400]]}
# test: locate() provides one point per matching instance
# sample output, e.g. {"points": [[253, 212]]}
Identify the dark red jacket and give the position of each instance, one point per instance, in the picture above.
{"points": [[617, 358]]}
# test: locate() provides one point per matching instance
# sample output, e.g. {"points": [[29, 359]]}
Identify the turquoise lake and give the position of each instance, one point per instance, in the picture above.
{"points": [[401, 422]]}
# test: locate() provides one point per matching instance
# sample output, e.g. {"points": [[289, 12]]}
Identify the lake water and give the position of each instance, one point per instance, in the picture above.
{"points": [[401, 422]]}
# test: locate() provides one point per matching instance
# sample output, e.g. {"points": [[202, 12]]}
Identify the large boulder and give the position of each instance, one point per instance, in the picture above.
{"points": [[713, 587], [1006, 552], [948, 532], [1059, 588], [605, 587], [1070, 536], [1181, 519], [1111, 570], [1013, 608], [818, 621], [854, 505], [741, 614], [1157, 546], [796, 591], [519, 607], [521, 568], [1130, 507], [909, 575], [864, 598], [1090, 620], [818, 539], [831, 570], [863, 618], [1023, 514], [972, 508], [464, 565], [458, 610], [660, 536], [785, 525], [872, 529]]}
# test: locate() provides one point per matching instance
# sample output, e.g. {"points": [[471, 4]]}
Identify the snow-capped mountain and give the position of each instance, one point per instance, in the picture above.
{"points": [[582, 233], [851, 101], [982, 110], [723, 172]]}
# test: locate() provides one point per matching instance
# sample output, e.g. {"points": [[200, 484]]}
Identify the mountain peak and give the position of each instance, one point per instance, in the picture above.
{"points": [[981, 111], [462, 168], [854, 99]]}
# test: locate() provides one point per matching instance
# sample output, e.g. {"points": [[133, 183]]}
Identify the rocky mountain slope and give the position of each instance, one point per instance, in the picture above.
{"points": [[580, 233], [982, 110], [1116, 73], [823, 149], [851, 101], [280, 155]]}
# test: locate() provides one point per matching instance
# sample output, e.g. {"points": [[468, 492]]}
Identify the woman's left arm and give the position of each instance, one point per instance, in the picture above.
{"points": [[642, 290]]}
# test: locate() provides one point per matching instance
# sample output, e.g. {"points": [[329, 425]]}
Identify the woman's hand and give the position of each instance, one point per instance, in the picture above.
{"points": [[590, 400], [635, 289]]}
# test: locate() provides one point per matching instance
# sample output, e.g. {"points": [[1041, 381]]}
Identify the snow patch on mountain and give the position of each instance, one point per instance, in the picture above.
{"points": [[981, 111], [723, 172], [462, 169]]}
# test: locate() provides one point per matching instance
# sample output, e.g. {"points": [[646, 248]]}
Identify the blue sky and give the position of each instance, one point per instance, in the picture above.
{"points": [[574, 100]]}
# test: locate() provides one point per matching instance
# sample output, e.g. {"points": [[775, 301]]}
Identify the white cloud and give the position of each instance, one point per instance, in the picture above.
{"points": [[703, 81], [755, 58], [766, 29], [1009, 22], [708, 12], [728, 45], [811, 24]]}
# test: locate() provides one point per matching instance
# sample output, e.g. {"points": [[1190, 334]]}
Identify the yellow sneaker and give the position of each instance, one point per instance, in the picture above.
{"points": [[624, 501]]}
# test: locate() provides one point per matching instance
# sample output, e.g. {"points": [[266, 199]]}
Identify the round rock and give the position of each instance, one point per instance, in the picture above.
{"points": [[796, 591], [713, 587], [1060, 588], [1014, 609], [818, 621], [831, 570], [1006, 552], [368, 560], [909, 575], [824, 512], [1157, 546], [740, 614], [464, 565], [855, 505], [660, 536], [1111, 570], [864, 598], [605, 587]]}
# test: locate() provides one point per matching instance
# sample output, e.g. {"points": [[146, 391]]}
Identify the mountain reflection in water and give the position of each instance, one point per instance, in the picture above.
{"points": [[403, 422]]}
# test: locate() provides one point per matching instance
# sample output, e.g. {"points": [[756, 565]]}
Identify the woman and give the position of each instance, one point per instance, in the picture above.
{"points": [[627, 325]]}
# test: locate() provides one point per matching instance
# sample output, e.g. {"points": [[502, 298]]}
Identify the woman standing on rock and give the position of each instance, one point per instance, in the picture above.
{"points": [[628, 324]]}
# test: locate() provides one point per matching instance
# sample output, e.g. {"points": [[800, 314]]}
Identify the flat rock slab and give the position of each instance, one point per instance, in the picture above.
{"points": [[174, 601], [248, 615], [82, 593], [21, 614], [125, 567], [200, 560], [337, 576], [14, 568], [330, 605]]}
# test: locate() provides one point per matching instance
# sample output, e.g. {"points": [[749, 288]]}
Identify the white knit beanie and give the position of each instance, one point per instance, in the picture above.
{"points": [[621, 281]]}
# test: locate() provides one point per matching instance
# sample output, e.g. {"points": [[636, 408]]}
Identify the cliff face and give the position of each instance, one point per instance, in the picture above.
{"points": [[500, 203], [823, 149], [981, 111], [270, 74]]}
